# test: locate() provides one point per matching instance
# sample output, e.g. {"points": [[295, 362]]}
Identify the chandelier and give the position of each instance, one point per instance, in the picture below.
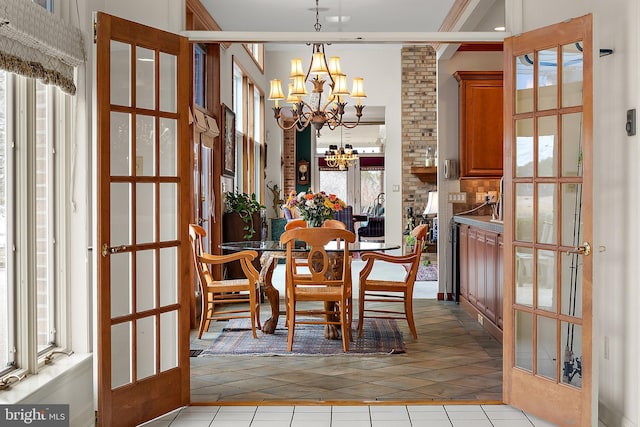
{"points": [[317, 110], [342, 157]]}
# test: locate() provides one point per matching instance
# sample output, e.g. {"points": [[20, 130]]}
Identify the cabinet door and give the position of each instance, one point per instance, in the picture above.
{"points": [[491, 276], [499, 280], [481, 126], [481, 270], [463, 262], [472, 266]]}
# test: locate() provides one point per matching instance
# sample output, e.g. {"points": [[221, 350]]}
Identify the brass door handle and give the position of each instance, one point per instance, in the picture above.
{"points": [[583, 249], [106, 250]]}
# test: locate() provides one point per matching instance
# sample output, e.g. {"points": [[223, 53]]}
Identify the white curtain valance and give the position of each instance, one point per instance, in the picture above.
{"points": [[37, 44]]}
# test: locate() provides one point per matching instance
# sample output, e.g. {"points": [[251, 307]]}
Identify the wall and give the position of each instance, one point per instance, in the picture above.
{"points": [[380, 67], [419, 121], [448, 148]]}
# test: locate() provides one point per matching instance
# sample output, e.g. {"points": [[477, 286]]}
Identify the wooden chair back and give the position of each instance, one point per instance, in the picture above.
{"points": [[325, 281], [399, 290]]}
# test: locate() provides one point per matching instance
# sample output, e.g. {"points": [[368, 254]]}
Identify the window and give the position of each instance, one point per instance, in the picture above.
{"points": [[256, 51], [32, 126], [199, 75]]}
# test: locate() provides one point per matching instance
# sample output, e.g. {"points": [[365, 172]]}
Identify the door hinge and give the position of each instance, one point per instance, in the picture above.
{"points": [[95, 32]]}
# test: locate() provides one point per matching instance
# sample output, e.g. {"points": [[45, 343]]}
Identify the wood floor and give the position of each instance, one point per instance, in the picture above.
{"points": [[453, 359]]}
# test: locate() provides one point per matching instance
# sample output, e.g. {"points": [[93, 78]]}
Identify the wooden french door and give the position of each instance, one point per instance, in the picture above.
{"points": [[143, 199], [548, 115]]}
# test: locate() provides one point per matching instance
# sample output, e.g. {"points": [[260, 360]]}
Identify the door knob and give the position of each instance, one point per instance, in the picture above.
{"points": [[106, 250], [583, 249]]}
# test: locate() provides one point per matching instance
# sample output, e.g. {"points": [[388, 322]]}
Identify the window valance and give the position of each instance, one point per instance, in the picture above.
{"points": [[34, 43]]}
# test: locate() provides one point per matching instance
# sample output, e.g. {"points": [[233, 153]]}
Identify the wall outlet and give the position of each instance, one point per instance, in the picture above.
{"points": [[480, 319], [457, 197], [480, 197], [493, 196]]}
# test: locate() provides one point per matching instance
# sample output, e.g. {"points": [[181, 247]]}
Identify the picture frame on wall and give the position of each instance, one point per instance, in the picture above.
{"points": [[228, 141]]}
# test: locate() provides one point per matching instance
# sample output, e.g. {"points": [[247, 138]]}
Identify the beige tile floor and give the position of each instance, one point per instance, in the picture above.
{"points": [[349, 416], [450, 376]]}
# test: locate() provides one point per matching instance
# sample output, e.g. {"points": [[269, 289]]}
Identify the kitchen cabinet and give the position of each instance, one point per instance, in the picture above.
{"points": [[480, 272], [480, 123]]}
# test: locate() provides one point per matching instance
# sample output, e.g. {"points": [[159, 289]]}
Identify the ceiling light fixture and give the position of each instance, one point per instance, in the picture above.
{"points": [[317, 111], [342, 157]]}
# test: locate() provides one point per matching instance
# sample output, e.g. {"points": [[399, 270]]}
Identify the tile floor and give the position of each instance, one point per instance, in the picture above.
{"points": [[453, 360], [349, 416]]}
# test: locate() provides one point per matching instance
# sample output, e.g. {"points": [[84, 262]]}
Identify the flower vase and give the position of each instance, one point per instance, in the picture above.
{"points": [[314, 222]]}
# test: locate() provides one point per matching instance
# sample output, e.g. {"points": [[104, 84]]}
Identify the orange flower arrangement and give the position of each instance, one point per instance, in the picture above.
{"points": [[315, 208]]}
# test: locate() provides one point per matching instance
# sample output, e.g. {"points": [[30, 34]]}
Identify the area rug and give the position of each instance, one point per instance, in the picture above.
{"points": [[379, 336], [426, 273]]}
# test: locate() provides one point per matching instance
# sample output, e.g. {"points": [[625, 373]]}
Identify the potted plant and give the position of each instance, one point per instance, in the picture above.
{"points": [[247, 208]]}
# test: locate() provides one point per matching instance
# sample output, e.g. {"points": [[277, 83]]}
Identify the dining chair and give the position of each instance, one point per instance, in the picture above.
{"points": [[390, 291], [295, 223], [216, 293], [322, 284]]}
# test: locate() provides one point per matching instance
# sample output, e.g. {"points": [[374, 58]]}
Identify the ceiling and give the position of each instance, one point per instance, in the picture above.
{"points": [[401, 16]]}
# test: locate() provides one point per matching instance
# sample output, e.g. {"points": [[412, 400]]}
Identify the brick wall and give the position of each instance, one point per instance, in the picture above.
{"points": [[419, 121], [289, 162]]}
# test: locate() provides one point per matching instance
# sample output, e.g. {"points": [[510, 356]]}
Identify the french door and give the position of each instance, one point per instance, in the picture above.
{"points": [[143, 176], [548, 116]]}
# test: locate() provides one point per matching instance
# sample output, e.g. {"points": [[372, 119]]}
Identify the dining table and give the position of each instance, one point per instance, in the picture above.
{"points": [[272, 251]]}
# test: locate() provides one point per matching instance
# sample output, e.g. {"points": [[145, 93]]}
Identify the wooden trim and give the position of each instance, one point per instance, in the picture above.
{"points": [[446, 296], [481, 47], [452, 18], [200, 19]]}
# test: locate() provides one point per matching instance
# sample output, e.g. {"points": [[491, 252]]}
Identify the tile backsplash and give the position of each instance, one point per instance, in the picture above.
{"points": [[472, 187]]}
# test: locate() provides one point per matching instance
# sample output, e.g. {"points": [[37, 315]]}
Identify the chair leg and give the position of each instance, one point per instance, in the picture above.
{"points": [[360, 312], [252, 311], [204, 315], [345, 325], [408, 311], [257, 308], [291, 323]]}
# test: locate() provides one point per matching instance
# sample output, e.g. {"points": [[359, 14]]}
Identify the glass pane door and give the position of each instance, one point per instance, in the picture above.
{"points": [[547, 327]]}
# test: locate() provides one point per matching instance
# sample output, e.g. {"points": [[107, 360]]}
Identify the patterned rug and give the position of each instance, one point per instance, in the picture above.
{"points": [[379, 336], [426, 273]]}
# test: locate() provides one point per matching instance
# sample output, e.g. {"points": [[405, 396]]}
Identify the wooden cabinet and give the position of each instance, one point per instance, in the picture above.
{"points": [[481, 263], [481, 135], [500, 281], [463, 245]]}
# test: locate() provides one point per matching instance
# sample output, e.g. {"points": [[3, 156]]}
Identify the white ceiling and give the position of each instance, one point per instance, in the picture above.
{"points": [[402, 16]]}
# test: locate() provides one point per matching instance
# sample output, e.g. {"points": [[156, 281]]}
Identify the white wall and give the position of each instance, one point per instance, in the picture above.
{"points": [[381, 68], [616, 188], [448, 143]]}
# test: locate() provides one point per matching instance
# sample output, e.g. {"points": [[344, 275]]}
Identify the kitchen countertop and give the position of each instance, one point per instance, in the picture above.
{"points": [[481, 221]]}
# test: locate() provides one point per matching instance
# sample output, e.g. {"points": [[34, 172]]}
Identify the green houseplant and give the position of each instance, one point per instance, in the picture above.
{"points": [[246, 206]]}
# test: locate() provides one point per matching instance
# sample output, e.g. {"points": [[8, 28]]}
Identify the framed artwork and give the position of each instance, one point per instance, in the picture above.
{"points": [[228, 141]]}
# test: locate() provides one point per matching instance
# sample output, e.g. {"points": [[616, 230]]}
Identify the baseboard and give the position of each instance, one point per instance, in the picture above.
{"points": [[491, 327], [610, 417], [446, 296]]}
